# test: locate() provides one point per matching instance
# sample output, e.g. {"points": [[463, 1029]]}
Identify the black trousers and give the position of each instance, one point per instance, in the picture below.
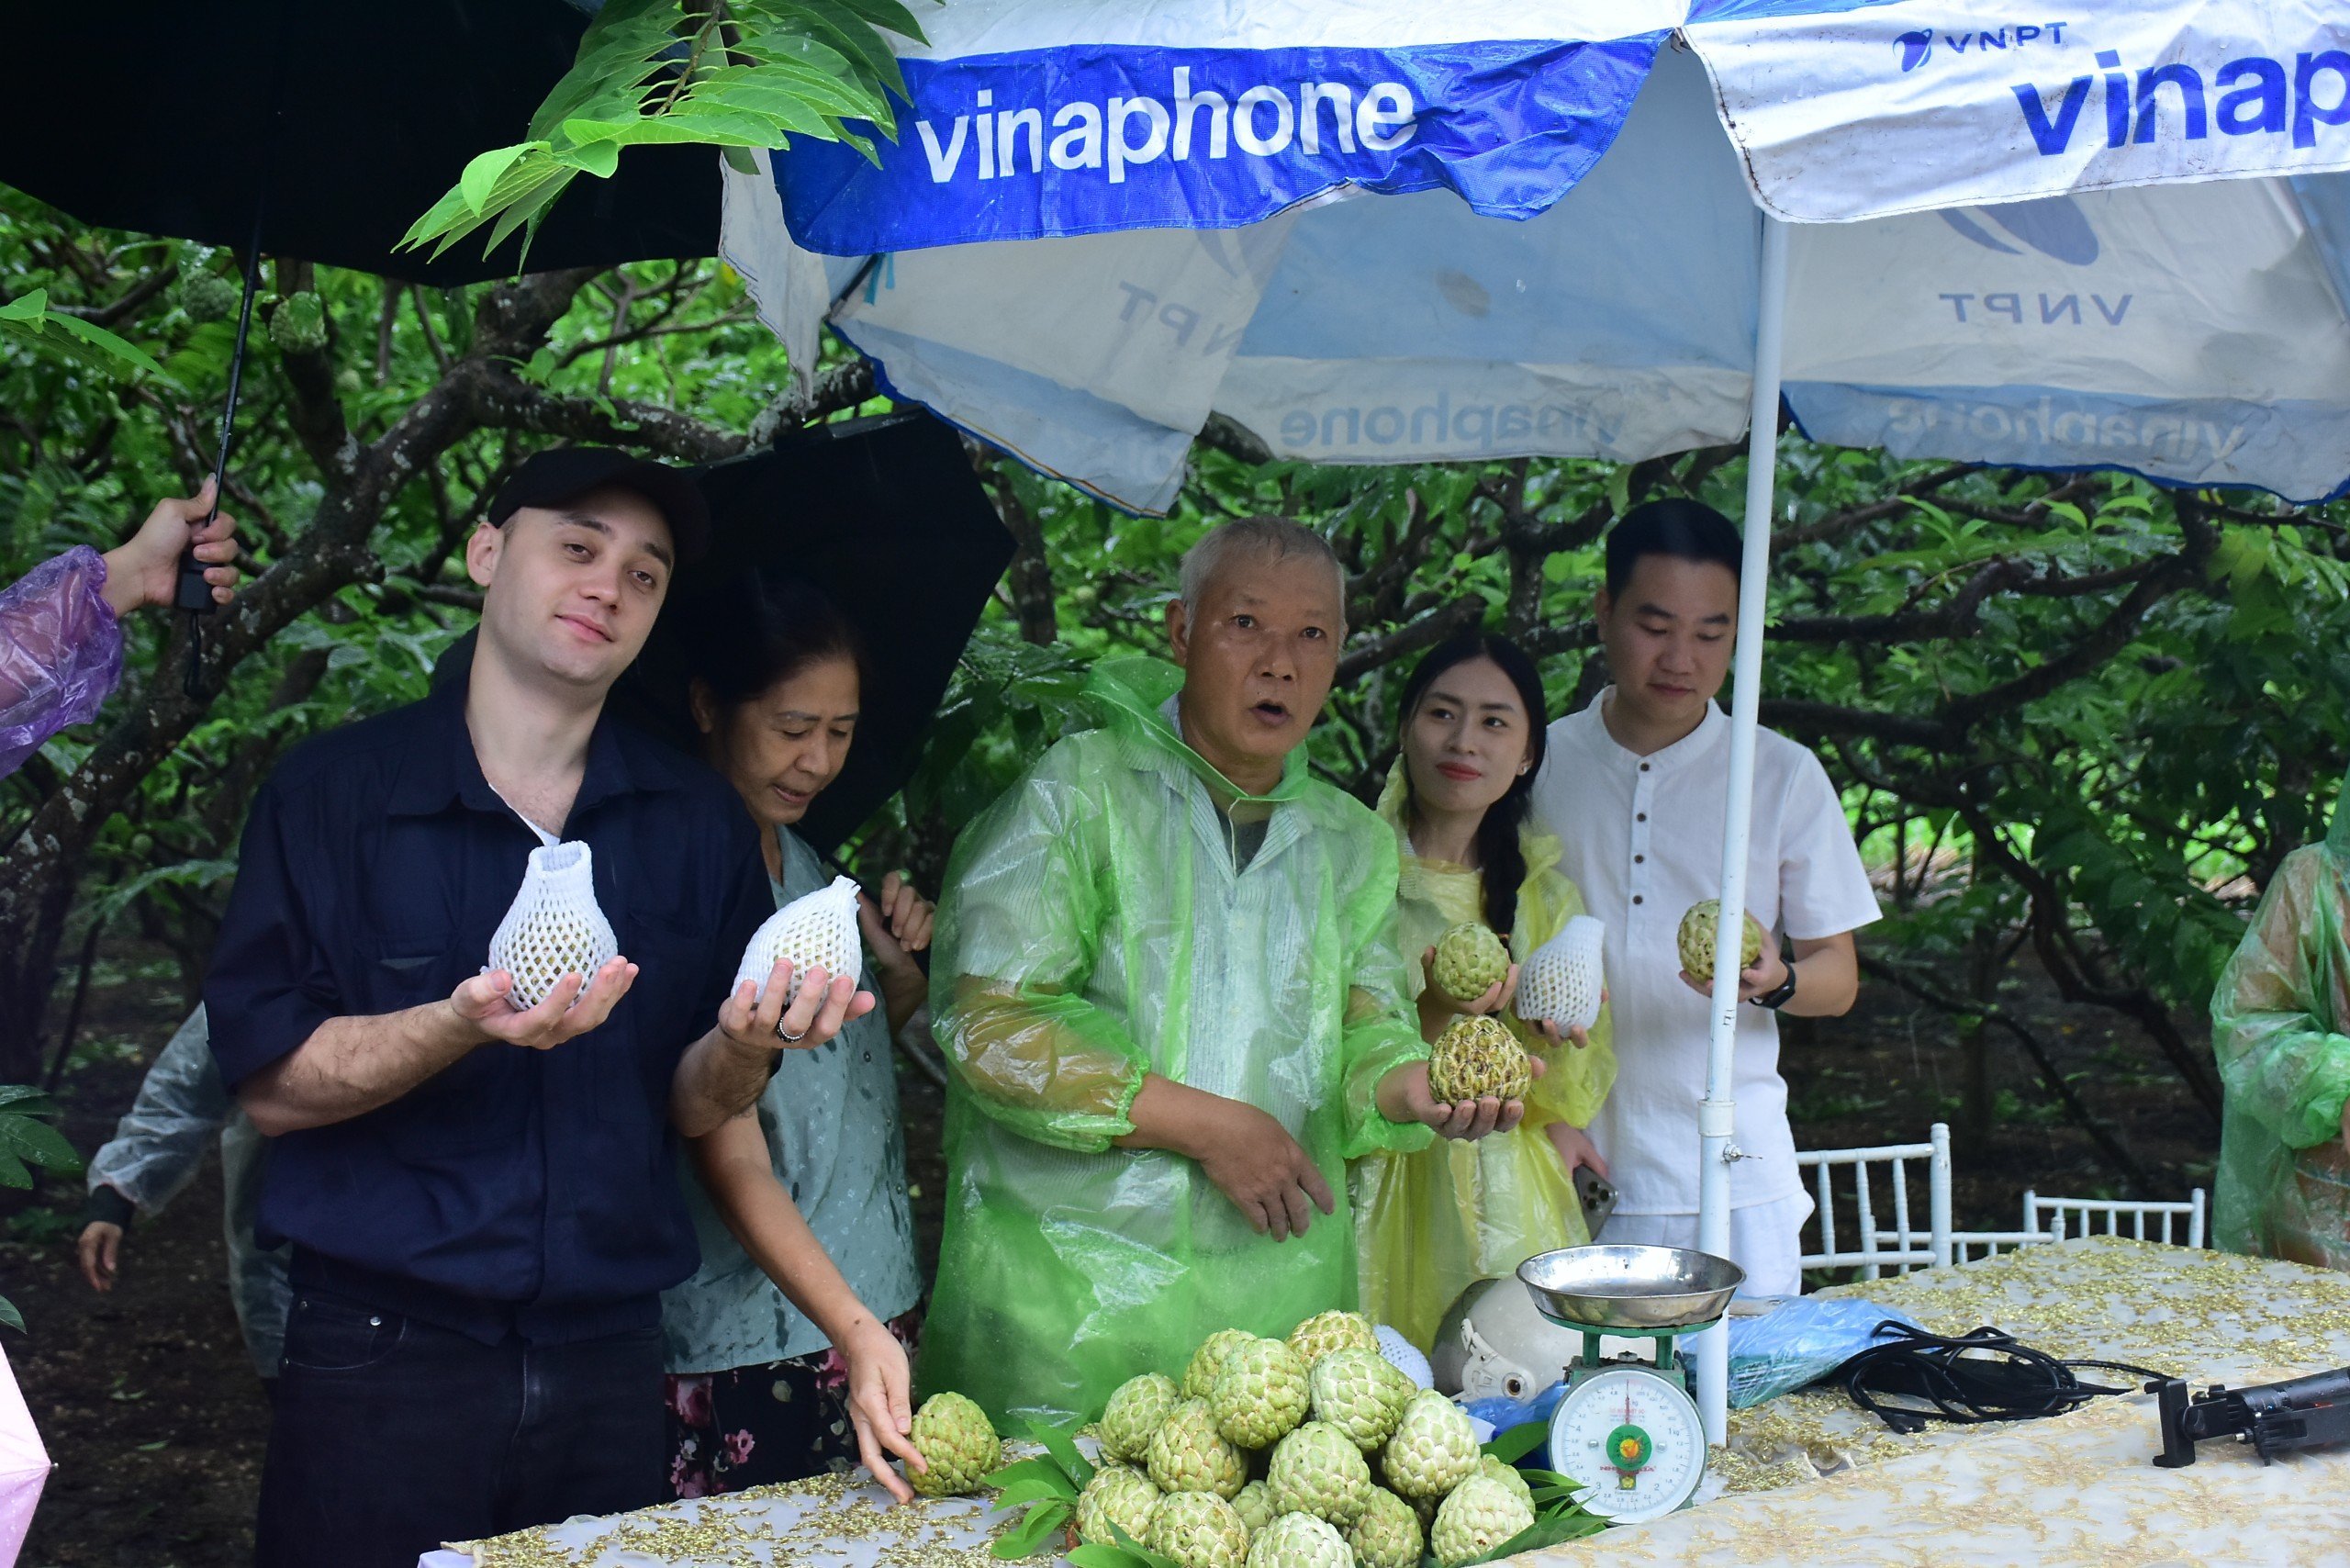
{"points": [[391, 1436]]}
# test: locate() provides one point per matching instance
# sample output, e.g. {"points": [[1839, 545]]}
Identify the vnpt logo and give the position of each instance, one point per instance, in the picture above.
{"points": [[2054, 227], [2255, 96], [1118, 133], [1916, 47]]}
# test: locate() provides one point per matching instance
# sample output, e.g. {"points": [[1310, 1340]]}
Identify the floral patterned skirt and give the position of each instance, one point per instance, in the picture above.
{"points": [[750, 1426]]}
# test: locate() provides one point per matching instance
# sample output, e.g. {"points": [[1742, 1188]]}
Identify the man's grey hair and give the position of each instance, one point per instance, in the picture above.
{"points": [[1277, 537]]}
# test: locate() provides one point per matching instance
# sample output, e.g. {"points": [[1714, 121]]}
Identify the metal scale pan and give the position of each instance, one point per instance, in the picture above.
{"points": [[1628, 1430]]}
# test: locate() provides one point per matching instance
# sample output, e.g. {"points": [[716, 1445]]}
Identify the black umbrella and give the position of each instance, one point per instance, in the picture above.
{"points": [[886, 516], [336, 125]]}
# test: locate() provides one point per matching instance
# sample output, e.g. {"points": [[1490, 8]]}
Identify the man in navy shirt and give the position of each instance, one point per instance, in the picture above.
{"points": [[481, 1197]]}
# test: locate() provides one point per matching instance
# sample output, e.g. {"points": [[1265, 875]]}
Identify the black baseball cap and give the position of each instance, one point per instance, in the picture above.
{"points": [[548, 479]]}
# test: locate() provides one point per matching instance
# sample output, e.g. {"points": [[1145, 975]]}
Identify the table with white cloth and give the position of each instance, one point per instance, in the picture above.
{"points": [[1807, 1478]]}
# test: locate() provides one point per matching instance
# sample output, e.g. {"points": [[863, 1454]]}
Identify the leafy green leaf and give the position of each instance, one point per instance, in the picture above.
{"points": [[38, 1143], [28, 319], [749, 75], [1129, 1543], [1514, 1443], [1093, 1554], [10, 1316], [1062, 1446], [1023, 1539]]}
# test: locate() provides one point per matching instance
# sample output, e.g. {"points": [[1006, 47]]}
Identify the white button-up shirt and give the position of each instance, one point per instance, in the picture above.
{"points": [[1643, 840]]}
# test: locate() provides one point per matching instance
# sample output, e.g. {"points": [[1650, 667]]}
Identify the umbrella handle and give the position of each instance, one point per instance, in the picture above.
{"points": [[192, 594]]}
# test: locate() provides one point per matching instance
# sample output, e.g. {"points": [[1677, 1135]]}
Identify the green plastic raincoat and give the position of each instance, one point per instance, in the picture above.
{"points": [[2280, 1027], [1431, 1224], [1094, 930]]}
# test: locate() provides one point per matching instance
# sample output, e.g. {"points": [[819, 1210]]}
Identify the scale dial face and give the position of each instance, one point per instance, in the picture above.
{"points": [[1633, 1439]]}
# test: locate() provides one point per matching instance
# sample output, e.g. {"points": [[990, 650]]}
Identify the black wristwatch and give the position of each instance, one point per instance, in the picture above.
{"points": [[1778, 996]]}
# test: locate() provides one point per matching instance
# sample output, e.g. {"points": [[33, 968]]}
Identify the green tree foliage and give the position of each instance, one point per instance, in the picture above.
{"points": [[361, 465], [734, 75], [2071, 714]]}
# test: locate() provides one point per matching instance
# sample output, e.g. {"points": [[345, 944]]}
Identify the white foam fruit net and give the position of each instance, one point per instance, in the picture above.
{"points": [[1561, 982], [816, 930], [555, 926]]}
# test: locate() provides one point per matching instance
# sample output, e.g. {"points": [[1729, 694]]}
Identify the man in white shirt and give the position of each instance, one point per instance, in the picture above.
{"points": [[1634, 786]]}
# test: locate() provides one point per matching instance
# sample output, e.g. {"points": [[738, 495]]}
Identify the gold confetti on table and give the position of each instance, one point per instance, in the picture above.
{"points": [[2208, 1315]]}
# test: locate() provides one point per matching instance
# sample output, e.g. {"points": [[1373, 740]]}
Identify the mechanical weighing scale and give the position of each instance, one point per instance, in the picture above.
{"points": [[1627, 1430]]}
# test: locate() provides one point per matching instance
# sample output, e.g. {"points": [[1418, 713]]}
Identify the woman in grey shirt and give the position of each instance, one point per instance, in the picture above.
{"points": [[788, 1349]]}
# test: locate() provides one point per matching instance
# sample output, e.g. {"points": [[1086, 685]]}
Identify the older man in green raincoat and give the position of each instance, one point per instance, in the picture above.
{"points": [[2280, 1026], [1166, 972]]}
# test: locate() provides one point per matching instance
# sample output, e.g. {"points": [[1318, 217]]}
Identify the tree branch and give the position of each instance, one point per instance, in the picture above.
{"points": [[2108, 1143]]}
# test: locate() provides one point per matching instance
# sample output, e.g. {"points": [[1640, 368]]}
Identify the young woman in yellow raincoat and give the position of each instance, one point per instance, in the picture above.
{"points": [[1430, 1224], [2280, 1027]]}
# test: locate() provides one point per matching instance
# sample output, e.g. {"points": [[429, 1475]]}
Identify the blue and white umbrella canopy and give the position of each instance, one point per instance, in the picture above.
{"points": [[1389, 232], [1386, 232]]}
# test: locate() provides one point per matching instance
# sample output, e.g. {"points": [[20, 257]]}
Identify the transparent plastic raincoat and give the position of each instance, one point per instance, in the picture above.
{"points": [[60, 652], [1429, 1225], [2280, 1027], [156, 1151], [1095, 929]]}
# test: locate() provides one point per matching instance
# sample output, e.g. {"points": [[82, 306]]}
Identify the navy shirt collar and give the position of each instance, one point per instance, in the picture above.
{"points": [[442, 768]]}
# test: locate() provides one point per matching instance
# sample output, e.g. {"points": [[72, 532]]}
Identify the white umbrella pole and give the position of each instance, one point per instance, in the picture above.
{"points": [[1717, 1115]]}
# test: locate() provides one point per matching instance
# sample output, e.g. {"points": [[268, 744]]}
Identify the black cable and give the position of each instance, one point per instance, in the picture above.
{"points": [[1986, 1375]]}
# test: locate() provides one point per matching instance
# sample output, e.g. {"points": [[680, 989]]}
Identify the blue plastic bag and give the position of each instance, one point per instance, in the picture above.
{"points": [[1800, 1342]]}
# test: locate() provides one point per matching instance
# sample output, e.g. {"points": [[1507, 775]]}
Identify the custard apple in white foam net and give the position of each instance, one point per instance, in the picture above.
{"points": [[555, 926], [816, 931], [1562, 982]]}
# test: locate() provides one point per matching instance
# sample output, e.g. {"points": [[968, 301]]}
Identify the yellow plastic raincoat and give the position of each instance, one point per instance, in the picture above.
{"points": [[1431, 1224], [2280, 1027], [1095, 929]]}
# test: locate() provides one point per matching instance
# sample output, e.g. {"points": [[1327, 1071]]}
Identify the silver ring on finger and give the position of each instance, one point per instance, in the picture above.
{"points": [[792, 1040]]}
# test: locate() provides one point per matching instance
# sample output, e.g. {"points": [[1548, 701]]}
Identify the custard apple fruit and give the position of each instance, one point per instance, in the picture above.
{"points": [[1139, 1408], [1432, 1451], [1299, 1540], [1470, 961], [1388, 1535], [1475, 1057], [1508, 1475], [1362, 1393], [1317, 1470], [1255, 1507], [298, 325], [1199, 1378], [1261, 1394], [1696, 939], [1188, 1454], [208, 296], [1479, 1516], [1199, 1530], [1328, 1331], [956, 1439], [1118, 1494]]}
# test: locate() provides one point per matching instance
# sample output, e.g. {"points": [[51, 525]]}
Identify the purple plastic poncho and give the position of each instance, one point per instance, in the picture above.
{"points": [[60, 652]]}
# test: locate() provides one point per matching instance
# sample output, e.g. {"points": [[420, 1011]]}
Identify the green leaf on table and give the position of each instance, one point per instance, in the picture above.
{"points": [[1023, 1539], [1128, 1543], [1062, 1446], [1034, 1489], [1024, 1471], [1514, 1443]]}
